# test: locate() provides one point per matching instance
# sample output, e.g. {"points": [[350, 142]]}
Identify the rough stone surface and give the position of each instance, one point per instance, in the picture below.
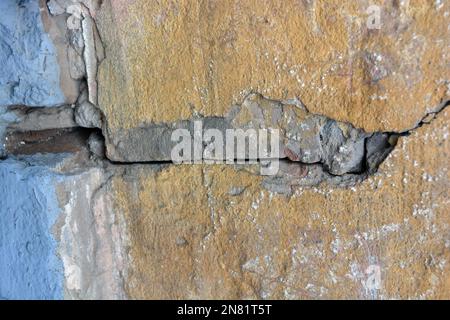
{"points": [[171, 60], [86, 114], [34, 59], [90, 238], [362, 189], [219, 231], [58, 236], [29, 267], [193, 236], [31, 73], [36, 119]]}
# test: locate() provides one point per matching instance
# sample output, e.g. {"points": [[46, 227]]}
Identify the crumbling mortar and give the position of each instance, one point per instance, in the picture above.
{"points": [[293, 173]]}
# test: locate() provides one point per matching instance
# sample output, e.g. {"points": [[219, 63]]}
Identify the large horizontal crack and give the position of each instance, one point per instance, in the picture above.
{"points": [[306, 138], [314, 148]]}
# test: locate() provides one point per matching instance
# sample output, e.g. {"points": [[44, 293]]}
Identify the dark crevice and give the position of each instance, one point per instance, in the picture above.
{"points": [[365, 165], [427, 119], [68, 140]]}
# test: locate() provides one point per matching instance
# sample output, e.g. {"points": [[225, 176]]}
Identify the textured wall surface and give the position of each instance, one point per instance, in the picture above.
{"points": [[29, 267], [194, 236], [92, 207], [168, 60], [30, 71]]}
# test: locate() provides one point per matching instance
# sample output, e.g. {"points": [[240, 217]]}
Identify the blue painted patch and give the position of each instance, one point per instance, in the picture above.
{"points": [[29, 70], [29, 265]]}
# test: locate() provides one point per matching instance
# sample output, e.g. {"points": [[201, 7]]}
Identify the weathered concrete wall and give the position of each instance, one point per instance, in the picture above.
{"points": [[359, 208]]}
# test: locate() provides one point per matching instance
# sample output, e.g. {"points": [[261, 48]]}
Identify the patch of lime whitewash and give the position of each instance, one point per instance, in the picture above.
{"points": [[92, 238]]}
